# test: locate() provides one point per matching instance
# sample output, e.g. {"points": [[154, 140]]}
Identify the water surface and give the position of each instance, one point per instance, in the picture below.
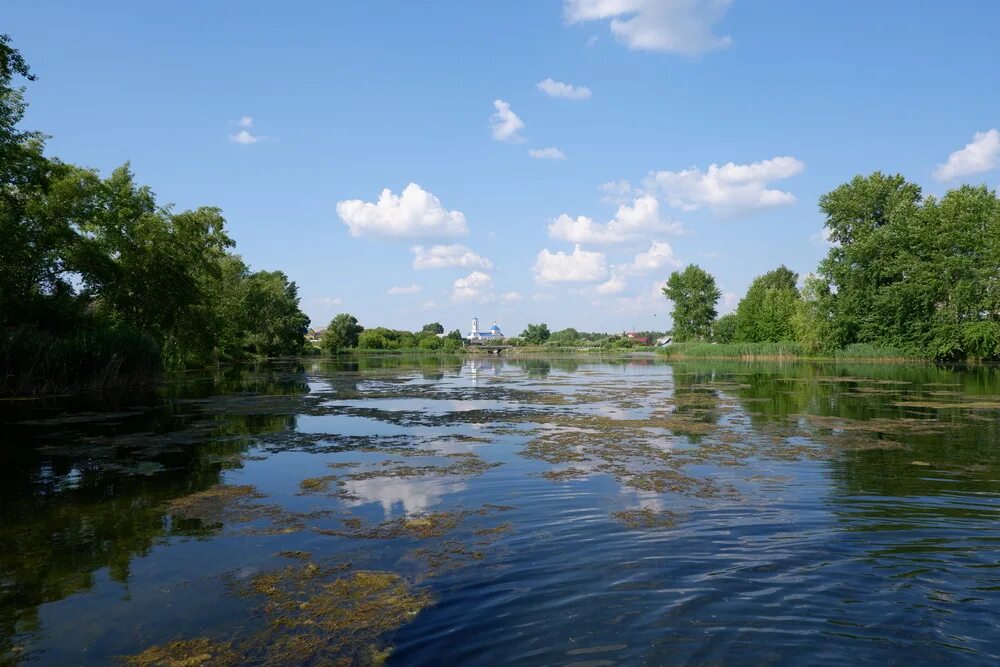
{"points": [[446, 510]]}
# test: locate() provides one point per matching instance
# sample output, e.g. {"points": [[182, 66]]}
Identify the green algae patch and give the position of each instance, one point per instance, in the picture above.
{"points": [[344, 621], [421, 526], [232, 504], [565, 474], [186, 653], [646, 519], [312, 615]]}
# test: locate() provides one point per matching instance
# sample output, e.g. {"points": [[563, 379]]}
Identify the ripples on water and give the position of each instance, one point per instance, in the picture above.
{"points": [[483, 512]]}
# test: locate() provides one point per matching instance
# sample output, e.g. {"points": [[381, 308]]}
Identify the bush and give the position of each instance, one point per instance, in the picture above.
{"points": [[36, 362]]}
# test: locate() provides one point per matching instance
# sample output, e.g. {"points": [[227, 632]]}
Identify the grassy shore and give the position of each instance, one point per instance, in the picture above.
{"points": [[783, 351]]}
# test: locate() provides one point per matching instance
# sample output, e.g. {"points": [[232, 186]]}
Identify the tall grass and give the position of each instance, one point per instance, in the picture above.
{"points": [[782, 350], [38, 362]]}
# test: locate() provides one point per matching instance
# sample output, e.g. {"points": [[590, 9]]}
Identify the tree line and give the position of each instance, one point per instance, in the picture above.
{"points": [[912, 273], [101, 284]]}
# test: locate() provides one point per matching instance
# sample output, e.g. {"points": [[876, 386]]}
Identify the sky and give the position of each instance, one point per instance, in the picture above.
{"points": [[520, 161]]}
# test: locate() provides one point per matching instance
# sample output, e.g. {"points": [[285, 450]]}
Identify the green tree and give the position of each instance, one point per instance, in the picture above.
{"points": [[724, 329], [695, 295], [341, 334], [433, 328], [535, 334], [765, 313], [811, 319], [568, 336]]}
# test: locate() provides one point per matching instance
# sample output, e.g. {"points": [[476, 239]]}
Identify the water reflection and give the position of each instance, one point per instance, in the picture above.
{"points": [[658, 513]]}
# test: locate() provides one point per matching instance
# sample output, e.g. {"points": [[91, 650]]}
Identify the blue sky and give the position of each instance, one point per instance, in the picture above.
{"points": [[295, 117]]}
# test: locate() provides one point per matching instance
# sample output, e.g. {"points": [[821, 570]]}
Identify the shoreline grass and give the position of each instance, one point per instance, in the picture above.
{"points": [[787, 351]]}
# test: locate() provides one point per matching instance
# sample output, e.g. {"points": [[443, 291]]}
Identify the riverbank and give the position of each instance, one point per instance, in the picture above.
{"points": [[785, 352]]}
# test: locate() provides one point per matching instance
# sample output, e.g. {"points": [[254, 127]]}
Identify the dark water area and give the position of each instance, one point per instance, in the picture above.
{"points": [[545, 511]]}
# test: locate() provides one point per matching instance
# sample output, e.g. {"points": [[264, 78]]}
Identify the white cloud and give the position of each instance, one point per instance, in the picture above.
{"points": [[325, 301], [546, 154], [427, 305], [474, 286], [564, 90], [505, 124], [415, 212], [616, 192], [580, 266], [444, 256], [244, 137], [677, 26], [403, 289], [245, 121], [511, 296], [982, 154], [659, 255], [615, 285], [642, 217], [728, 190], [542, 296]]}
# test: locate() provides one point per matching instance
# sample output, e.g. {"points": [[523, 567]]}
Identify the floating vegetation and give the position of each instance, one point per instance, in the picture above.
{"points": [[228, 504], [312, 615], [186, 653], [977, 404], [646, 519], [422, 526], [565, 474]]}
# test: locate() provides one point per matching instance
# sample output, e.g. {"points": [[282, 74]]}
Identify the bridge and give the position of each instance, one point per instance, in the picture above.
{"points": [[488, 348]]}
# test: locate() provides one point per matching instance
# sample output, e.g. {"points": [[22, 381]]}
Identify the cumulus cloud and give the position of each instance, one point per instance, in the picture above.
{"points": [[579, 266], [245, 121], [659, 255], [546, 154], [615, 285], [511, 296], [729, 190], [244, 137], [475, 286], [403, 289], [567, 91], [505, 124], [642, 217], [445, 256], [325, 301], [676, 26], [414, 213], [729, 302], [982, 154]]}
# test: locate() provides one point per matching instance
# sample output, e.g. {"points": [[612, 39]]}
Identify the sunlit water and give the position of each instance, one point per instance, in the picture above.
{"points": [[539, 511]]}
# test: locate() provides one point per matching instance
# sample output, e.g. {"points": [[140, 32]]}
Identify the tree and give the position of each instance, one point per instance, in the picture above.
{"points": [[811, 318], [765, 313], [695, 296], [433, 328], [535, 334], [724, 329], [569, 336], [341, 334]]}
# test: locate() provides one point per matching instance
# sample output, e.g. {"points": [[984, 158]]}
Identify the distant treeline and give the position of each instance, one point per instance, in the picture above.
{"points": [[101, 286], [345, 333], [906, 275]]}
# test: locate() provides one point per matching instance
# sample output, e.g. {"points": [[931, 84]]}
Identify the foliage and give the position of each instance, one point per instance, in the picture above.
{"points": [[724, 329], [433, 328], [569, 336], [765, 313], [342, 333], [535, 334], [85, 258], [695, 296]]}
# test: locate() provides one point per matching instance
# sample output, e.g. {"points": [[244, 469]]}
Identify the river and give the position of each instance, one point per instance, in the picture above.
{"points": [[430, 510]]}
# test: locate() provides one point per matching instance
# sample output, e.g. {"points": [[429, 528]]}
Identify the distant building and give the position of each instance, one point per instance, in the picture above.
{"points": [[477, 336], [640, 340]]}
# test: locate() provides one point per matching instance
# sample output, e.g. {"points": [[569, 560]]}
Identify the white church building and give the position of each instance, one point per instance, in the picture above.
{"points": [[477, 336]]}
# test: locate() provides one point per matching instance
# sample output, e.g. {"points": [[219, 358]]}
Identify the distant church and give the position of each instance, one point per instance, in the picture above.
{"points": [[477, 336]]}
